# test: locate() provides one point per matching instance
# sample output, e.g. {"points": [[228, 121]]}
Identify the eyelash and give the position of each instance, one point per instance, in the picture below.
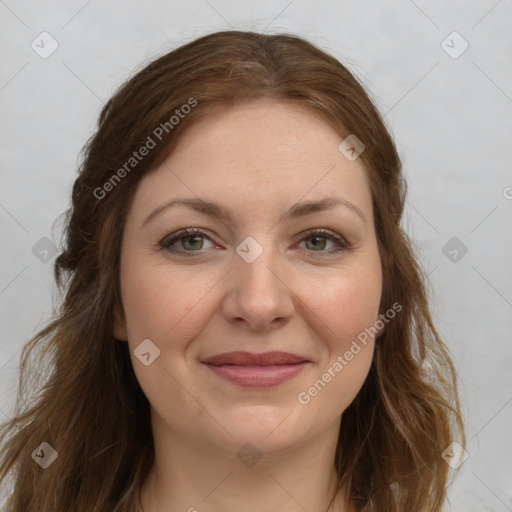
{"points": [[170, 240]]}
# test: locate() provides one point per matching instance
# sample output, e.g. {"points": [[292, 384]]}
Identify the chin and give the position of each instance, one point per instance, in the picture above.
{"points": [[270, 428]]}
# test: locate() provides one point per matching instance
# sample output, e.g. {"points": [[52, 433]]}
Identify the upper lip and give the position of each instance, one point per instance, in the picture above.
{"points": [[251, 359]]}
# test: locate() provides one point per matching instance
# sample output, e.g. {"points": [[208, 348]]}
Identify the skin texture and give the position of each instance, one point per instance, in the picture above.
{"points": [[299, 295]]}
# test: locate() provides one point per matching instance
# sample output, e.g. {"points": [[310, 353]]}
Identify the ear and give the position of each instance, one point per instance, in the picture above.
{"points": [[120, 331]]}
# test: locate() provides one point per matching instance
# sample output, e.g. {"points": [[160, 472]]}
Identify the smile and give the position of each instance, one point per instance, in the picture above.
{"points": [[257, 370]]}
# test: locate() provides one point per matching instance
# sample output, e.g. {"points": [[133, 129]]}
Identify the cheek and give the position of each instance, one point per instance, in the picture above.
{"points": [[354, 306], [347, 308], [347, 303], [339, 378], [160, 301], [163, 305]]}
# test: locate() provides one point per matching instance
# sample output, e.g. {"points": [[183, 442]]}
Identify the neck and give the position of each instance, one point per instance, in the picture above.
{"points": [[191, 475]]}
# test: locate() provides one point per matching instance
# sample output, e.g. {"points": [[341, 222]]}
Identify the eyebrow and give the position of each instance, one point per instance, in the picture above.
{"points": [[222, 213]]}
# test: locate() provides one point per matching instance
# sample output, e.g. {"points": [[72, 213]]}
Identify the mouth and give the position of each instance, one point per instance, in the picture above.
{"points": [[257, 370]]}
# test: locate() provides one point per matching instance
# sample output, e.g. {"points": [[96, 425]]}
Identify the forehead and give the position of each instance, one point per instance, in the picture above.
{"points": [[284, 130], [254, 156]]}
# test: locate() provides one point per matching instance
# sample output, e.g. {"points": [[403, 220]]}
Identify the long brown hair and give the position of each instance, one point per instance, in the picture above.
{"points": [[88, 405]]}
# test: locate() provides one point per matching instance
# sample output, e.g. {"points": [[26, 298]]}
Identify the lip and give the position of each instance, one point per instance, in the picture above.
{"points": [[252, 359], [256, 370]]}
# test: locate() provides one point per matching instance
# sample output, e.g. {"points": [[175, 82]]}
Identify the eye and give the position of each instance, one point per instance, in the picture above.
{"points": [[193, 235], [320, 237], [192, 241]]}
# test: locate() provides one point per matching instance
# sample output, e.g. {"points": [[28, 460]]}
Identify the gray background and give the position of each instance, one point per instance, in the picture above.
{"points": [[451, 118]]}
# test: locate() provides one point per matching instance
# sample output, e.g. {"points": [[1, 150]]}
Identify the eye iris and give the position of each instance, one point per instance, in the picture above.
{"points": [[321, 246], [191, 237]]}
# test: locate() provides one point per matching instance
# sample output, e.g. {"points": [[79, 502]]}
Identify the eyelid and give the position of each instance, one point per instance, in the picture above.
{"points": [[171, 238], [327, 233]]}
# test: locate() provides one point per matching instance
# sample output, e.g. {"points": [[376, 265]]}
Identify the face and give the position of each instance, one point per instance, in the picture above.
{"points": [[264, 271]]}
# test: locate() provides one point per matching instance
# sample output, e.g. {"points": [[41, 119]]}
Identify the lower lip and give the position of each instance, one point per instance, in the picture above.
{"points": [[258, 376]]}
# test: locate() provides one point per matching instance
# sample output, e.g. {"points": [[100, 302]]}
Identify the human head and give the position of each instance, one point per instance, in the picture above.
{"points": [[207, 76], [261, 287]]}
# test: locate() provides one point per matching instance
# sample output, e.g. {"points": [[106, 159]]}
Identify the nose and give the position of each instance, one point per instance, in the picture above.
{"points": [[258, 294]]}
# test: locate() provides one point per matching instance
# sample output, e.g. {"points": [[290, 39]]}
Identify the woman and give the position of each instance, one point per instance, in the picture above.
{"points": [[244, 324]]}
